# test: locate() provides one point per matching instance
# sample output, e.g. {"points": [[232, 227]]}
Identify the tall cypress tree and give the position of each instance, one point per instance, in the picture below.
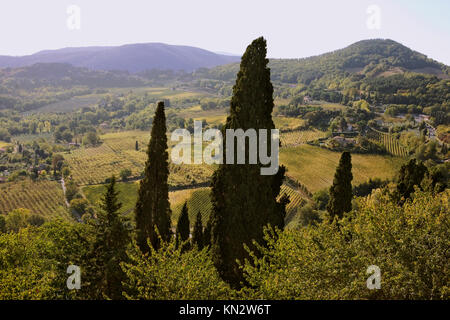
{"points": [[197, 234], [183, 224], [341, 190], [207, 233], [111, 238], [244, 201], [152, 207]]}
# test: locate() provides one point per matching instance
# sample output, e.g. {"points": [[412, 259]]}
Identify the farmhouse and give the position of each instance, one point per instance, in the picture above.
{"points": [[307, 99], [343, 142]]}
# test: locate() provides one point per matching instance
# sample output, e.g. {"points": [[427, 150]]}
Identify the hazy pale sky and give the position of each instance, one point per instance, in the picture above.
{"points": [[293, 28]]}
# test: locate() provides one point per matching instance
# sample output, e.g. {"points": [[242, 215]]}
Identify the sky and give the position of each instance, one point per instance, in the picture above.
{"points": [[293, 28]]}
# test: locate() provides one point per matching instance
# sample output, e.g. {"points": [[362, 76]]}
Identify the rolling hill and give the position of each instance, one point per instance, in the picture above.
{"points": [[131, 58], [363, 59]]}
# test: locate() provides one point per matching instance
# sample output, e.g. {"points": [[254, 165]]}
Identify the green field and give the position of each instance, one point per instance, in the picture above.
{"points": [[45, 198], [315, 167]]}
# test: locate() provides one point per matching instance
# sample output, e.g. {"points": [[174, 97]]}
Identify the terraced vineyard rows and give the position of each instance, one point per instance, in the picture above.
{"points": [[42, 197], [295, 138], [294, 196], [200, 200], [391, 144], [95, 164]]}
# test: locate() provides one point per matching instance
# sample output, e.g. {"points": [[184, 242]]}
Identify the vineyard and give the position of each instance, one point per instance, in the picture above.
{"points": [[294, 138], [296, 200], [95, 164], [200, 200], [41, 197], [197, 200], [391, 144], [314, 167]]}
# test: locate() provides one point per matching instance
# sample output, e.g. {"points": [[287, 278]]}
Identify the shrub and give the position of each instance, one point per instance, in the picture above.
{"points": [[408, 243], [170, 273]]}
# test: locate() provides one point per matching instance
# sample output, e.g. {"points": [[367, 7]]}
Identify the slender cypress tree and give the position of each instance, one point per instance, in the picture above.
{"points": [[183, 225], [197, 235], [152, 207], [244, 201], [341, 190], [207, 233], [111, 238]]}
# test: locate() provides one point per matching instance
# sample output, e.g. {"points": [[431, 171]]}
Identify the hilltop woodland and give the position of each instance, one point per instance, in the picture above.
{"points": [[86, 179]]}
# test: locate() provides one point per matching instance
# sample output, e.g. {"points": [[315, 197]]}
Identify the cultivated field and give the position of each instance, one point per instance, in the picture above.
{"points": [[198, 199], [93, 165], [128, 192], [314, 167], [295, 138], [287, 123], [45, 198], [391, 144]]}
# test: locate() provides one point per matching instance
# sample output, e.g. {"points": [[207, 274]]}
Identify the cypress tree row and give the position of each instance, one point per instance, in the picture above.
{"points": [[183, 225], [244, 201], [341, 190], [197, 234], [152, 207]]}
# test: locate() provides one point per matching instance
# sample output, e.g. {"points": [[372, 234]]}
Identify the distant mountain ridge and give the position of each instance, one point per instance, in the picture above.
{"points": [[131, 57]]}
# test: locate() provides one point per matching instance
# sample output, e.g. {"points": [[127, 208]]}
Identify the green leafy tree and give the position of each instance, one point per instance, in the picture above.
{"points": [[170, 273], [79, 206], [125, 174], [91, 139], [110, 241], [411, 174], [153, 208], [244, 201], [408, 243], [17, 219], [341, 190]]}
